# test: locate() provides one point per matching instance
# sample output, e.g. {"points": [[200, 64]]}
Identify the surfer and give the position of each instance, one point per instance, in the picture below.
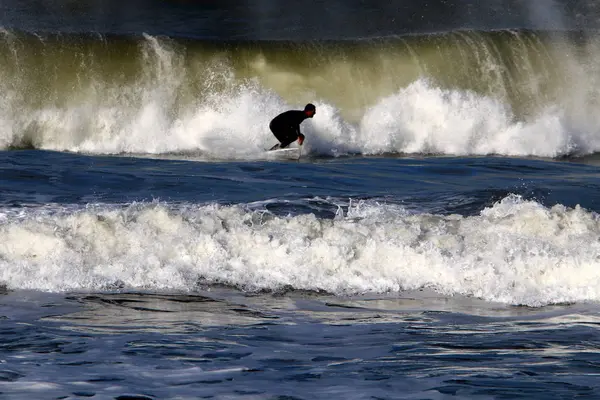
{"points": [[286, 126]]}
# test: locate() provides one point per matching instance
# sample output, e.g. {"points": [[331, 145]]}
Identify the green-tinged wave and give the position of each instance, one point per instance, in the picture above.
{"points": [[84, 76]]}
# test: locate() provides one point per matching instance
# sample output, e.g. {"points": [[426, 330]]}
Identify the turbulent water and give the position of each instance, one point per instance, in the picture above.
{"points": [[437, 237], [508, 92], [355, 253]]}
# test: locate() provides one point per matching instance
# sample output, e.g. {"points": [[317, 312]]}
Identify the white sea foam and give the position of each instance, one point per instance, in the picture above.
{"points": [[230, 118], [515, 252], [425, 119]]}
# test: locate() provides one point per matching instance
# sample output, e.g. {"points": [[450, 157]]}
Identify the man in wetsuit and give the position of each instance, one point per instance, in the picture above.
{"points": [[286, 126]]}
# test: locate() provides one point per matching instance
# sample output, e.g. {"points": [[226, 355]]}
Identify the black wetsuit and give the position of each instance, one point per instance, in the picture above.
{"points": [[286, 126]]}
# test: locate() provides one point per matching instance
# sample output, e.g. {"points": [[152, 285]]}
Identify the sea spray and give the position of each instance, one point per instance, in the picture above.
{"points": [[506, 92], [516, 251]]}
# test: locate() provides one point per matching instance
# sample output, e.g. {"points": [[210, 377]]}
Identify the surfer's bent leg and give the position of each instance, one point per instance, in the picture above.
{"points": [[290, 137], [285, 135], [283, 145]]}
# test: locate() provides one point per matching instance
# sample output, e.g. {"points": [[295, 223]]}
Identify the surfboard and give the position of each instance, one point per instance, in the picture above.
{"points": [[286, 154]]}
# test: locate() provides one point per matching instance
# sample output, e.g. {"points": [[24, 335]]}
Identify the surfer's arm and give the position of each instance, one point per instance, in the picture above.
{"points": [[299, 134]]}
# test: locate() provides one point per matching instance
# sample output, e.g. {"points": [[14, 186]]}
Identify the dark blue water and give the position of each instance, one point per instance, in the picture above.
{"points": [[296, 20], [436, 184], [138, 345]]}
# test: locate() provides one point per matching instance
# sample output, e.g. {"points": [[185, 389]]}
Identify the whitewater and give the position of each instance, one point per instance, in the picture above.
{"points": [[516, 251], [214, 102]]}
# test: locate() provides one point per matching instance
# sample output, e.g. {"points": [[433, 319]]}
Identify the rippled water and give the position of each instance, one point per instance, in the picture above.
{"points": [[229, 345]]}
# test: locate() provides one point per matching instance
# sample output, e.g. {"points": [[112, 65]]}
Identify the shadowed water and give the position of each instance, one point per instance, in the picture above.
{"points": [[297, 20]]}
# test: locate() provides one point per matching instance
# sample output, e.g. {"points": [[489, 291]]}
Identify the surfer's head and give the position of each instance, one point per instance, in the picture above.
{"points": [[310, 110]]}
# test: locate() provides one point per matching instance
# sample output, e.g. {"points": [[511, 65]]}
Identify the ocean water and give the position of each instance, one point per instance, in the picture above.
{"points": [[437, 238]]}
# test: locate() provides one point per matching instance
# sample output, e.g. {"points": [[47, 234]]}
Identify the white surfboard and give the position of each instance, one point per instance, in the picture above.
{"points": [[285, 154]]}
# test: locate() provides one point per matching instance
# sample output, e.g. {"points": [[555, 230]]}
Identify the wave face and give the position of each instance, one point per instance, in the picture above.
{"points": [[516, 251], [466, 92]]}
